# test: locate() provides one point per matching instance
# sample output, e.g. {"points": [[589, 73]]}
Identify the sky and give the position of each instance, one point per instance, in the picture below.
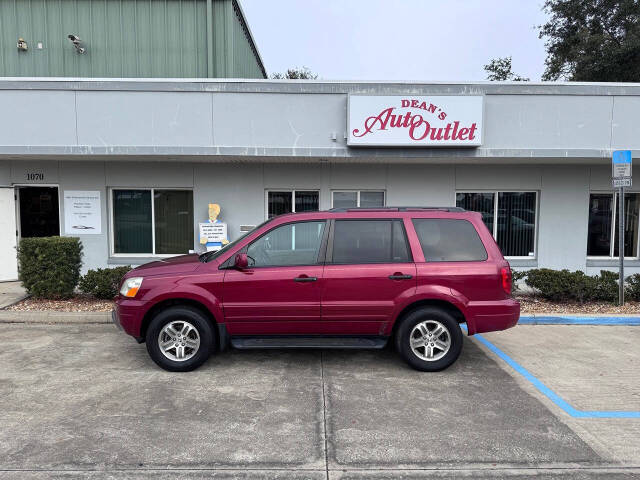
{"points": [[427, 40]]}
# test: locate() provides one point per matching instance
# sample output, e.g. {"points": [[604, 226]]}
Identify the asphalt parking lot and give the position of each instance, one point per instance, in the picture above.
{"points": [[86, 401]]}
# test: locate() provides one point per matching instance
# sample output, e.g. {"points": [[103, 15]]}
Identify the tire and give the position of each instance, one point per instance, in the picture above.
{"points": [[432, 319], [186, 332]]}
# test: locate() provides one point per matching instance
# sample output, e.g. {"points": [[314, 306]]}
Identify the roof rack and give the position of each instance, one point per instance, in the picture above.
{"points": [[396, 209]]}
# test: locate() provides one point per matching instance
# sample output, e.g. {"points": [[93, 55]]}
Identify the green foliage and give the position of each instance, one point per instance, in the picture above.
{"points": [[296, 73], [632, 289], [515, 277], [592, 40], [563, 285], [103, 282], [50, 266], [500, 69]]}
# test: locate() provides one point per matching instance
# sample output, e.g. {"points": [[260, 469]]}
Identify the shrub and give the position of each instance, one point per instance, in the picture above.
{"points": [[103, 282], [632, 290], [563, 285], [50, 266], [515, 277]]}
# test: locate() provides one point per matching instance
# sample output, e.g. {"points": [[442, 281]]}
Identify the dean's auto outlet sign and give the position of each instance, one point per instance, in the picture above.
{"points": [[415, 121]]}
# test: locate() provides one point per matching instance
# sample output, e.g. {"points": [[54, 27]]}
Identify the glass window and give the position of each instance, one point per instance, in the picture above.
{"points": [[371, 199], [444, 240], [603, 225], [516, 223], [511, 217], [288, 245], [279, 203], [483, 203], [345, 199], [357, 198], [600, 225], [135, 221], [369, 241], [173, 214], [132, 221]]}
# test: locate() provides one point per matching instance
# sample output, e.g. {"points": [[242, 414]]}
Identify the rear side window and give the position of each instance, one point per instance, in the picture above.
{"points": [[369, 241], [448, 240]]}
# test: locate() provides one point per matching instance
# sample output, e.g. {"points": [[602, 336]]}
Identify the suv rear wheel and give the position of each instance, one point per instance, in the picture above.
{"points": [[429, 339], [180, 339]]}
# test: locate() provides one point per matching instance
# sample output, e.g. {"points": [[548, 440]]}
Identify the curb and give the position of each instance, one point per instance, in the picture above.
{"points": [[48, 317]]}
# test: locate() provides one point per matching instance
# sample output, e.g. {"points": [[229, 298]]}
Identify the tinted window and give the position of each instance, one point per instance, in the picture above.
{"points": [[290, 244], [369, 241], [444, 240]]}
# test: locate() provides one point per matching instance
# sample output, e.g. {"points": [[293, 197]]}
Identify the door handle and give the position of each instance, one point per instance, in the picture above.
{"points": [[400, 276], [305, 279]]}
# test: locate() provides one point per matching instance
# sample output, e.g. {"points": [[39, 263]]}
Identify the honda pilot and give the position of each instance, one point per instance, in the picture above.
{"points": [[343, 278]]}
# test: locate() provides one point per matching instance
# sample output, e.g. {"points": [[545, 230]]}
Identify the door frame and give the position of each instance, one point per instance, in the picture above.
{"points": [[16, 189]]}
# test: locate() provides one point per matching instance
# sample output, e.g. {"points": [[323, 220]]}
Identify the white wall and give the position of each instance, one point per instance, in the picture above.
{"points": [[240, 190]]}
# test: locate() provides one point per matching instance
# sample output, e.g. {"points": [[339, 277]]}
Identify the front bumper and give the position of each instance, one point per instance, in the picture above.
{"points": [[492, 316]]}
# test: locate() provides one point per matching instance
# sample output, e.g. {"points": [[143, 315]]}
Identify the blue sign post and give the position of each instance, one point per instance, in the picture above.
{"points": [[621, 165]]}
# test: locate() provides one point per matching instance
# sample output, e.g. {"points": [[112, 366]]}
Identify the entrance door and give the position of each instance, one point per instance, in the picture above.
{"points": [[39, 213], [8, 261]]}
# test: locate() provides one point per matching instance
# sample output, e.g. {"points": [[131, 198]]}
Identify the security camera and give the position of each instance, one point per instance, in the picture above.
{"points": [[76, 43]]}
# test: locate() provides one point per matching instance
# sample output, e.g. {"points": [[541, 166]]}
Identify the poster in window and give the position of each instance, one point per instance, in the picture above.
{"points": [[82, 213]]}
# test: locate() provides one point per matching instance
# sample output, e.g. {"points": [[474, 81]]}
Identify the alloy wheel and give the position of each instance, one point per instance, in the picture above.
{"points": [[179, 340], [430, 340]]}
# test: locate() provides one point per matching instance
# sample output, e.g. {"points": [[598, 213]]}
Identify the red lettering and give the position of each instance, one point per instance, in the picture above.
{"points": [[432, 108], [414, 103], [472, 133], [404, 103], [463, 133], [416, 122]]}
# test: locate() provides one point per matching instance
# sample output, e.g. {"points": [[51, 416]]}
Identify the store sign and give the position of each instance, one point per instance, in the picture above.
{"points": [[82, 213], [415, 121]]}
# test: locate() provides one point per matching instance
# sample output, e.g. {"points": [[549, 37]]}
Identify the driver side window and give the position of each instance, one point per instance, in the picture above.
{"points": [[288, 245]]}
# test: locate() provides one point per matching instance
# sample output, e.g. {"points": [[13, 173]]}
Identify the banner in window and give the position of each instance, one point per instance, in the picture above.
{"points": [[82, 214]]}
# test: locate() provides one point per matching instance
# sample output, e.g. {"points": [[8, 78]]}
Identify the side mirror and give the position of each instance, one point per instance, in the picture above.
{"points": [[241, 262]]}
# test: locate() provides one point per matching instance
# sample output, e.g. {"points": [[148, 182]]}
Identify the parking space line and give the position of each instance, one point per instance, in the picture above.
{"points": [[550, 394], [573, 320]]}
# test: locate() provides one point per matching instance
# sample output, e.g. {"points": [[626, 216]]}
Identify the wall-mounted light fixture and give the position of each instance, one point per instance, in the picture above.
{"points": [[77, 43], [22, 45]]}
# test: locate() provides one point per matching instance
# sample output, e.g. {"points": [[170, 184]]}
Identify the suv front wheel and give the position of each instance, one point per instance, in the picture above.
{"points": [[429, 339], [180, 339]]}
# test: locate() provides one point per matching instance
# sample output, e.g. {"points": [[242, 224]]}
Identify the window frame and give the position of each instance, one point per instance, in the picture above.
{"points": [[494, 233], [320, 259], [331, 237], [112, 231], [293, 198], [357, 192], [614, 227]]}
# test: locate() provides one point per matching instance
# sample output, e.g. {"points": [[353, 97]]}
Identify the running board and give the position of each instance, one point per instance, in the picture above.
{"points": [[244, 343]]}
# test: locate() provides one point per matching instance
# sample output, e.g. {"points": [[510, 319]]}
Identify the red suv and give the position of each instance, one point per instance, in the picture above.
{"points": [[344, 278]]}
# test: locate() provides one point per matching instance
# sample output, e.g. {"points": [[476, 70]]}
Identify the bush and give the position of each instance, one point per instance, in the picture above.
{"points": [[563, 285], [632, 290], [50, 266], [515, 277], [103, 282]]}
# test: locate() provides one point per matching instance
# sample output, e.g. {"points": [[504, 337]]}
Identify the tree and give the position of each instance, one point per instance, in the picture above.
{"points": [[499, 69], [592, 40], [296, 73]]}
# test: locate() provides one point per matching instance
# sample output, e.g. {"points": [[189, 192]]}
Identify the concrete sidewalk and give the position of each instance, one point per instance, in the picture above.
{"points": [[10, 293]]}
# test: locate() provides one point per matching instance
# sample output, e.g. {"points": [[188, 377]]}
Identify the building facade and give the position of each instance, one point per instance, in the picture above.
{"points": [[127, 38], [146, 158]]}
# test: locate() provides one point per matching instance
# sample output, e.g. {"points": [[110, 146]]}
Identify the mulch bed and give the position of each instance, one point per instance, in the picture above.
{"points": [[529, 304], [79, 303]]}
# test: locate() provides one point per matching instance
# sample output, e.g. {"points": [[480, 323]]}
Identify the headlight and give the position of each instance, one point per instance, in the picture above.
{"points": [[131, 286]]}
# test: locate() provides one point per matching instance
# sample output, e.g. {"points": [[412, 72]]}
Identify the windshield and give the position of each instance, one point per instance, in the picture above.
{"points": [[208, 256]]}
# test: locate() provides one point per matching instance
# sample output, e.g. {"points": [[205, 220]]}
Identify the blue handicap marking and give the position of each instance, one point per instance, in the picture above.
{"points": [[621, 156], [550, 394]]}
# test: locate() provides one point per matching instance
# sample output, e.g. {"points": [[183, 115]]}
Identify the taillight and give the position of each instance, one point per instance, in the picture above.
{"points": [[505, 274]]}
